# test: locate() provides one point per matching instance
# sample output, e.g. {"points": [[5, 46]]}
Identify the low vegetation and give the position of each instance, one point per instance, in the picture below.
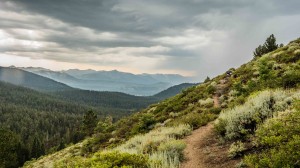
{"points": [[246, 102], [277, 141], [241, 121], [158, 148]]}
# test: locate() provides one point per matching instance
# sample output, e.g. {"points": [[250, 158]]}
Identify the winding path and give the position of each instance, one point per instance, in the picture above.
{"points": [[194, 151], [204, 151]]}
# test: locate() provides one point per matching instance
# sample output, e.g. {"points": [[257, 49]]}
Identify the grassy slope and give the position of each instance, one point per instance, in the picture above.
{"points": [[195, 106]]}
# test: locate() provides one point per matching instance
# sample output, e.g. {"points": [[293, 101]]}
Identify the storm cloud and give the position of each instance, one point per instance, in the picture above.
{"points": [[191, 37]]}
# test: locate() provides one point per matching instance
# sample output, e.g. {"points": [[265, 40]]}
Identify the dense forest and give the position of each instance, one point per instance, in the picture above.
{"points": [[39, 121], [45, 122], [109, 100]]}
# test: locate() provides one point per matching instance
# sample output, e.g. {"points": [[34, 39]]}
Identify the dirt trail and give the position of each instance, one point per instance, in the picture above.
{"points": [[204, 151], [216, 101]]}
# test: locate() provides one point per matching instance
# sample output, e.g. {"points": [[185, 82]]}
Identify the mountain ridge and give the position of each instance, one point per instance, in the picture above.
{"points": [[30, 80], [135, 84]]}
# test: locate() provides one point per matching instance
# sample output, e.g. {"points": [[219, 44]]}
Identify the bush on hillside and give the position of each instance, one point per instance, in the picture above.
{"points": [[209, 102], [195, 120], [287, 58], [279, 138], [146, 123], [211, 89], [236, 149], [118, 159], [242, 120], [291, 79], [173, 148]]}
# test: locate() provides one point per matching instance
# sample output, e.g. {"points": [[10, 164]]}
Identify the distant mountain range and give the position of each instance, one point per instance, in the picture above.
{"points": [[102, 99], [135, 84]]}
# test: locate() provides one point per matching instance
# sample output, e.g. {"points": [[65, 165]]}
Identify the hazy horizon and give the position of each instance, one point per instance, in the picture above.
{"points": [[62, 70]]}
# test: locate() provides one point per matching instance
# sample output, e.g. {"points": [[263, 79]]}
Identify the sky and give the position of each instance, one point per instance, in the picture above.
{"points": [[189, 37]]}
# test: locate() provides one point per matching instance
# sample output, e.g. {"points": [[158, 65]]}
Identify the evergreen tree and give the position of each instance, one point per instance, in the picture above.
{"points": [[259, 51], [207, 79], [269, 46], [61, 145], [89, 122], [270, 43], [23, 153], [37, 148], [8, 149]]}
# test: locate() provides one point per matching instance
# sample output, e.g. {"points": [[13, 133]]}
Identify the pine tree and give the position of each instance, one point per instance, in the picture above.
{"points": [[89, 122], [61, 145], [207, 79], [259, 51], [8, 149], [37, 149], [270, 43], [269, 46]]}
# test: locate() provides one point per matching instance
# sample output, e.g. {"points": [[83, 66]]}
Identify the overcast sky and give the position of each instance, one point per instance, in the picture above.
{"points": [[189, 37]]}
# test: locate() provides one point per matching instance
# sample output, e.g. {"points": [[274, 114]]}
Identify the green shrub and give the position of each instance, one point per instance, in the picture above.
{"points": [[211, 89], [163, 160], [215, 110], [151, 146], [159, 144], [280, 142], [146, 123], [78, 162], [287, 58], [92, 144], [220, 127], [209, 102], [117, 159], [173, 148], [195, 119], [236, 149], [291, 80], [242, 120]]}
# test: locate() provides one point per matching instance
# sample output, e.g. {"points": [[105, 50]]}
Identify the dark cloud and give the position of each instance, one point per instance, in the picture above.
{"points": [[204, 37]]}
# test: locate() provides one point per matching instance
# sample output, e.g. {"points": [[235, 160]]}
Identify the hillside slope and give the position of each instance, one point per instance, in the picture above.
{"points": [[247, 97], [53, 119], [172, 91], [30, 80]]}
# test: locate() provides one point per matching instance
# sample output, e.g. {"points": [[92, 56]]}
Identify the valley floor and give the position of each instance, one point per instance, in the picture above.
{"points": [[205, 151]]}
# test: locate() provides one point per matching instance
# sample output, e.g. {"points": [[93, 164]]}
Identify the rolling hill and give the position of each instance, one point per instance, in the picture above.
{"points": [[113, 100], [30, 80], [173, 90], [244, 103], [108, 102]]}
